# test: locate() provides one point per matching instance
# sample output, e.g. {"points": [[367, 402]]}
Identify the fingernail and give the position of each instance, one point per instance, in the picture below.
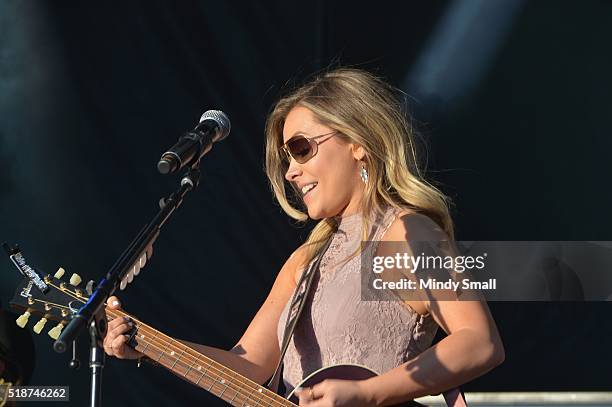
{"points": [[130, 323], [127, 319], [115, 303]]}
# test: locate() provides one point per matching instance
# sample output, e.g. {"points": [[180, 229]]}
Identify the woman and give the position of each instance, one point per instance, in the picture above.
{"points": [[343, 144]]}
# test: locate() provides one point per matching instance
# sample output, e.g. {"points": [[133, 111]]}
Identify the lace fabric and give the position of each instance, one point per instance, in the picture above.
{"points": [[338, 327]]}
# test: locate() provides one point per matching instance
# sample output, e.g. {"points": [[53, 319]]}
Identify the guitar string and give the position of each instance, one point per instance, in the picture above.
{"points": [[52, 303], [241, 378], [250, 385]]}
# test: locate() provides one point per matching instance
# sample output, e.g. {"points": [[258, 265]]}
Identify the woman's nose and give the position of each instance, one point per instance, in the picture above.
{"points": [[293, 171]]}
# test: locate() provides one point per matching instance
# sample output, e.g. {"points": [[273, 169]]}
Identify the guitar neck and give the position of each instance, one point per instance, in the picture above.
{"points": [[198, 368]]}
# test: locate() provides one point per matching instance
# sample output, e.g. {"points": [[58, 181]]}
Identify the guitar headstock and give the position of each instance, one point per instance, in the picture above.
{"points": [[51, 298], [61, 300]]}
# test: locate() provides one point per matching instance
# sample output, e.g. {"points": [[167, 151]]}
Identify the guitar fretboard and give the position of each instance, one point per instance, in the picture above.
{"points": [[199, 369]]}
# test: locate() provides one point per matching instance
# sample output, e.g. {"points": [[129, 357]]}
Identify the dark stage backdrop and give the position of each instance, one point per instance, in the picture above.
{"points": [[92, 93]]}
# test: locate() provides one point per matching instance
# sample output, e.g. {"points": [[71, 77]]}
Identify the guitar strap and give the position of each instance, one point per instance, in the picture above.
{"points": [[453, 397], [295, 310]]}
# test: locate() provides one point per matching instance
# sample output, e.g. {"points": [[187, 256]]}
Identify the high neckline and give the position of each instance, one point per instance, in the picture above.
{"points": [[342, 219], [349, 224], [354, 221]]}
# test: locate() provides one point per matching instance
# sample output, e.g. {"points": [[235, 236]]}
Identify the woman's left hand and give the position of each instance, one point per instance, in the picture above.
{"points": [[335, 393]]}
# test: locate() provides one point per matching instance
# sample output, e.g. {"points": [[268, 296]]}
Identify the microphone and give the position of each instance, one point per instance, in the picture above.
{"points": [[214, 126]]}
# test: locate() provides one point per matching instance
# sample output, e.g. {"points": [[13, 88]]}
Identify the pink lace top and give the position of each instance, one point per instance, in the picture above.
{"points": [[338, 327]]}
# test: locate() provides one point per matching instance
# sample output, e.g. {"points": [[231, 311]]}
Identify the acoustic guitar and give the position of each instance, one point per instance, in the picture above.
{"points": [[63, 299]]}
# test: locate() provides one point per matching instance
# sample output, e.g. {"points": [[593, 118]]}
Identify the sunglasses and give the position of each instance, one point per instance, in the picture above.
{"points": [[302, 148]]}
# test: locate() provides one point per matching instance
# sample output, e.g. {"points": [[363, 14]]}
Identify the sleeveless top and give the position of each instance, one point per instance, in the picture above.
{"points": [[337, 327]]}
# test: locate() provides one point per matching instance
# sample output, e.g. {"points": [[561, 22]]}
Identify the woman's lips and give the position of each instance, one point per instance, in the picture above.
{"points": [[309, 193]]}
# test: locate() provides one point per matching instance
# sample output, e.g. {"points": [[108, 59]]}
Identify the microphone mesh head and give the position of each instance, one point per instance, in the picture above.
{"points": [[221, 119]]}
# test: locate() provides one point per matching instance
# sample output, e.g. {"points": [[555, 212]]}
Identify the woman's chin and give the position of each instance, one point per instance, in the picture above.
{"points": [[316, 213], [312, 215], [313, 212]]}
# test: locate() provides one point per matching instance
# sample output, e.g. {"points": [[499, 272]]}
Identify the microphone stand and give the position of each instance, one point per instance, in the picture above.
{"points": [[93, 314]]}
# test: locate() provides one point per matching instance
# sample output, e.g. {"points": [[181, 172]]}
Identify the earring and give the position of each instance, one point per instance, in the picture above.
{"points": [[363, 173]]}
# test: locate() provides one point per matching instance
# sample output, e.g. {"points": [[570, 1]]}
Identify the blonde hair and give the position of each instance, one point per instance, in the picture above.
{"points": [[365, 110]]}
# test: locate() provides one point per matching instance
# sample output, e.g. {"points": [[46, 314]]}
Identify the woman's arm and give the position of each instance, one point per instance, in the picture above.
{"points": [[472, 348], [473, 345]]}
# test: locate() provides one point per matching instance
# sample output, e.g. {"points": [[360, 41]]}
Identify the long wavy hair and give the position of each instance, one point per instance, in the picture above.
{"points": [[367, 111]]}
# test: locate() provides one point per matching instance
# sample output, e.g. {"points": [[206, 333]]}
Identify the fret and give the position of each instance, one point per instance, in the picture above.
{"points": [[239, 386], [220, 383], [223, 391], [232, 400], [147, 339], [177, 359], [260, 397], [224, 377], [226, 395], [229, 399], [190, 367], [162, 353], [215, 390], [249, 402], [203, 373], [241, 389], [232, 395], [146, 344]]}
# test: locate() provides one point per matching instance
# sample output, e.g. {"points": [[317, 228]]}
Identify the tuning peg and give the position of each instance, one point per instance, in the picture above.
{"points": [[130, 276], [123, 284], [40, 325], [59, 273], [56, 331], [22, 321], [141, 263], [75, 279]]}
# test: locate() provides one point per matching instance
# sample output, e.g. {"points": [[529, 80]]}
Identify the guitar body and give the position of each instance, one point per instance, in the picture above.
{"points": [[343, 372]]}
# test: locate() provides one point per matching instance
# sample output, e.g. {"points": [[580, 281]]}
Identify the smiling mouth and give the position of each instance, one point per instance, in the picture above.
{"points": [[307, 188]]}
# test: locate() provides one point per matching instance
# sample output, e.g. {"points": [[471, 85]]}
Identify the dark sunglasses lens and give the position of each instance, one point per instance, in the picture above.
{"points": [[300, 149]]}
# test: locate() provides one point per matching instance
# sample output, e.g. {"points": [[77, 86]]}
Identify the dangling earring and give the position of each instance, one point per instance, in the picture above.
{"points": [[363, 173]]}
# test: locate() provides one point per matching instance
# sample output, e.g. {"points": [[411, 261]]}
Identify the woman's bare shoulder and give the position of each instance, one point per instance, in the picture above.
{"points": [[409, 224], [297, 262]]}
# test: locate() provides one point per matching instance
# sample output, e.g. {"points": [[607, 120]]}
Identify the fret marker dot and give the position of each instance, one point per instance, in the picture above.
{"points": [[199, 368], [172, 353], [260, 390], [141, 336], [222, 381]]}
